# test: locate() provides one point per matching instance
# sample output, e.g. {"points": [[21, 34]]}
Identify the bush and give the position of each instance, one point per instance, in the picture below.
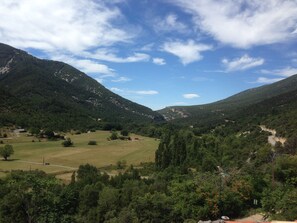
{"points": [[114, 136], [121, 164], [92, 143], [67, 143], [124, 132]]}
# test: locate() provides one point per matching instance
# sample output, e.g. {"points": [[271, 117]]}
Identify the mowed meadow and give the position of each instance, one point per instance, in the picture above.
{"points": [[30, 155]]}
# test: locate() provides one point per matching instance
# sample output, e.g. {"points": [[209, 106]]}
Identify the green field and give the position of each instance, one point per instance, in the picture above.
{"points": [[29, 155]]}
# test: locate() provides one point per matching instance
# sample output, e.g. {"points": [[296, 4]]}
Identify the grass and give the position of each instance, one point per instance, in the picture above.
{"points": [[29, 155]]}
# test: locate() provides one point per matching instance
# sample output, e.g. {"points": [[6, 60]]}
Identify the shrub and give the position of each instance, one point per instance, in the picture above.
{"points": [[92, 143], [67, 143], [124, 132], [114, 136]]}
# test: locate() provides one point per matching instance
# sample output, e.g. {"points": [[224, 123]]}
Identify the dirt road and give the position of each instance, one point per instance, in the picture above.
{"points": [[273, 139]]}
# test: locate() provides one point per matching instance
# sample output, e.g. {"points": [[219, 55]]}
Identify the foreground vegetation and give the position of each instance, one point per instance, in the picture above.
{"points": [[230, 170]]}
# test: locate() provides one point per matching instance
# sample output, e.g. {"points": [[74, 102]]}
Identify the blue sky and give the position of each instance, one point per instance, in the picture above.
{"points": [[161, 52]]}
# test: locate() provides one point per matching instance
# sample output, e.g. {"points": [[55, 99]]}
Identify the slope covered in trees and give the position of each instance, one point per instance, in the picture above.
{"points": [[50, 94], [221, 109]]}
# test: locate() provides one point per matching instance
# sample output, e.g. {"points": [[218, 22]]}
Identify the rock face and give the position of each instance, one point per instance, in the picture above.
{"points": [[44, 87]]}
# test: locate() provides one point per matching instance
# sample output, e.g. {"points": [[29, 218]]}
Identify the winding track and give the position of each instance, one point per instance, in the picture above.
{"points": [[273, 139]]}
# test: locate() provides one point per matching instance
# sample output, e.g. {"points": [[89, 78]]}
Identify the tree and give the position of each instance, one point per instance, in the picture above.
{"points": [[124, 132], [114, 136], [67, 143], [6, 151], [34, 131]]}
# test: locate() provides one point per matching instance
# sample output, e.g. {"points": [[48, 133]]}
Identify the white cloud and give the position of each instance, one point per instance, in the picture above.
{"points": [[244, 23], [149, 92], [242, 63], [169, 23], [190, 96], [116, 89], [265, 80], [106, 55], [159, 61], [99, 80], [121, 79], [130, 92], [284, 72], [53, 25], [188, 52], [87, 66]]}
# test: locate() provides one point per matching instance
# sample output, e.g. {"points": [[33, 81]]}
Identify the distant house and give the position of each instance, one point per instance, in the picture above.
{"points": [[20, 131]]}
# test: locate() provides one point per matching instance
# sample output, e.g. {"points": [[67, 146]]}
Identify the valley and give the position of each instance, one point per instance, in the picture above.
{"points": [[233, 157], [32, 155]]}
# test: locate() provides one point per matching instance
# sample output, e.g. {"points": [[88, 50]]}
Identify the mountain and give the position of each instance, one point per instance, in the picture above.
{"points": [[240, 100], [51, 94], [272, 104]]}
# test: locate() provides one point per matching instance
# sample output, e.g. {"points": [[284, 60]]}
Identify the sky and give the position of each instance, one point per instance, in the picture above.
{"points": [[161, 53]]}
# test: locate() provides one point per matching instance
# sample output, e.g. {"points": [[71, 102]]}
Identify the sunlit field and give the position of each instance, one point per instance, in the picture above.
{"points": [[31, 155]]}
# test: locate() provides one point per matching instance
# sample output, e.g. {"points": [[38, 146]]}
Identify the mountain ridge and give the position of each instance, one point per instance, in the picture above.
{"points": [[43, 84], [239, 100]]}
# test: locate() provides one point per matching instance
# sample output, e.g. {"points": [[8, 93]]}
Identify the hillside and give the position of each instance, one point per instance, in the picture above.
{"points": [[53, 94], [224, 109]]}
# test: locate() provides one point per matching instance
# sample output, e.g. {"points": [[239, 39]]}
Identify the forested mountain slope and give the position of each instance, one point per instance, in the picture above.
{"points": [[267, 102], [45, 93], [242, 99]]}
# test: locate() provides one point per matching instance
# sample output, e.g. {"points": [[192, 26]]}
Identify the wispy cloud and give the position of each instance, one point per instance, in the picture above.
{"points": [[190, 96], [159, 61], [99, 80], [86, 65], [188, 51], [244, 23], [121, 79], [149, 92], [71, 26], [284, 72], [242, 63], [107, 55], [265, 80], [131, 92], [169, 23]]}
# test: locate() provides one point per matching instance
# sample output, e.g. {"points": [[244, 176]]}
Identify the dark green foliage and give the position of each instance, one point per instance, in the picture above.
{"points": [[6, 151], [124, 132], [92, 142], [121, 164], [114, 135], [67, 143], [34, 131]]}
